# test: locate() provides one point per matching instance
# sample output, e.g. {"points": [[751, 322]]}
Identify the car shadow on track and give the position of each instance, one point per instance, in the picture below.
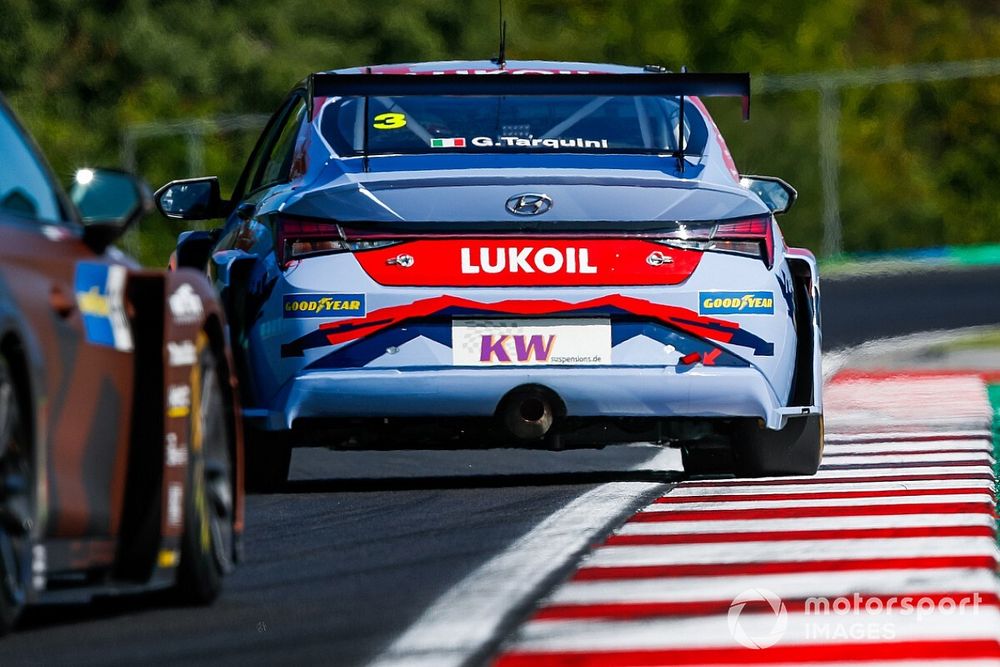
{"points": [[316, 470], [367, 485], [101, 607]]}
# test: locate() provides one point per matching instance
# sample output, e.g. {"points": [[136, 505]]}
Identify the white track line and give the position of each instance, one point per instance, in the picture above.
{"points": [[786, 586], [684, 491], [886, 470], [805, 523], [713, 631], [797, 551], [904, 446], [469, 616], [863, 437], [907, 460], [833, 438], [929, 497]]}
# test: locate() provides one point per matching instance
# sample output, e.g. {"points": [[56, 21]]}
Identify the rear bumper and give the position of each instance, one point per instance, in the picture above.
{"points": [[473, 392]]}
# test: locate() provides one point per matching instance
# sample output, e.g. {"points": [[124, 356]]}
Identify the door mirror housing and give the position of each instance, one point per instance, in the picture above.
{"points": [[191, 199], [776, 194], [109, 202]]}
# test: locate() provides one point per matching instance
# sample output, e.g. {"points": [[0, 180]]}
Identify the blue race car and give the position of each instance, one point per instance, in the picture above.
{"points": [[522, 254]]}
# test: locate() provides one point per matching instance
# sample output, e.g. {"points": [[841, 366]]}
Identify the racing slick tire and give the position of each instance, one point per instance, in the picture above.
{"points": [[208, 542], [753, 451], [796, 449], [268, 457], [15, 503]]}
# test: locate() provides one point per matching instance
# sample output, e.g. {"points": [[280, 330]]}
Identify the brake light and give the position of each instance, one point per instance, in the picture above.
{"points": [[751, 237], [300, 239]]}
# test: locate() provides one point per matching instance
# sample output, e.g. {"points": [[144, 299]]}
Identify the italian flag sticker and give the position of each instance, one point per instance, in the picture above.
{"points": [[448, 143]]}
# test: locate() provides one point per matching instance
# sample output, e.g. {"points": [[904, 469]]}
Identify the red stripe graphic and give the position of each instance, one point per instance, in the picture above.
{"points": [[626, 611], [956, 649], [729, 569], [681, 318], [808, 511], [819, 495], [787, 535]]}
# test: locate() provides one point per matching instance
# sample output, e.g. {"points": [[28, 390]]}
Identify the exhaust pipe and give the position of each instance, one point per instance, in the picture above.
{"points": [[528, 416]]}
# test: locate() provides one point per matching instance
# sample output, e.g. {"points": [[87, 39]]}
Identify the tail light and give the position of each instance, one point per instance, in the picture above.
{"points": [[300, 239], [751, 237]]}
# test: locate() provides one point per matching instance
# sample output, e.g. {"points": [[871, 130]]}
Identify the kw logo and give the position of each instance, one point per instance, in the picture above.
{"points": [[525, 348]]}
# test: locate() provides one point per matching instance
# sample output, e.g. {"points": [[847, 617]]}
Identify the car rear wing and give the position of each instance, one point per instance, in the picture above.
{"points": [[658, 84]]}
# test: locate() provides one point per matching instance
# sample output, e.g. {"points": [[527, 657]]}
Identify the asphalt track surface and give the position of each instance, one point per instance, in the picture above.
{"points": [[920, 298], [361, 545]]}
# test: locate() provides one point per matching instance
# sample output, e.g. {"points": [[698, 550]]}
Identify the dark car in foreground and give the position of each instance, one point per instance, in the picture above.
{"points": [[527, 254], [120, 436]]}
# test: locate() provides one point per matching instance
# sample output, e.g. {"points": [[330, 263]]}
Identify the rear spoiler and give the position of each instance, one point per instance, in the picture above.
{"points": [[649, 84]]}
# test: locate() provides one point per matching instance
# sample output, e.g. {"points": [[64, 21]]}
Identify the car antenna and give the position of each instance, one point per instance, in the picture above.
{"points": [[501, 58], [680, 129], [364, 140]]}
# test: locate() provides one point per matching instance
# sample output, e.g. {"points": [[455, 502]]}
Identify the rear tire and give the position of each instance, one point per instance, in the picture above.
{"points": [[796, 449], [268, 457], [15, 503], [208, 542]]}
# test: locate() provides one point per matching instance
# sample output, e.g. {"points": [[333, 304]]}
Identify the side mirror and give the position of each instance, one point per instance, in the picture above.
{"points": [[191, 199], [109, 201], [776, 194]]}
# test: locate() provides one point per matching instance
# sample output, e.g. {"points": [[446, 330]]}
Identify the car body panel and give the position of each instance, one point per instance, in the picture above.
{"points": [[371, 332], [73, 322]]}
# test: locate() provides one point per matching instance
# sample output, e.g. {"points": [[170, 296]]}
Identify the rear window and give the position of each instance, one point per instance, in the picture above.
{"points": [[408, 125]]}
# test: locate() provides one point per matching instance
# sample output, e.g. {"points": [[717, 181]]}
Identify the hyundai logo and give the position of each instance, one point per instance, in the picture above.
{"points": [[529, 204]]}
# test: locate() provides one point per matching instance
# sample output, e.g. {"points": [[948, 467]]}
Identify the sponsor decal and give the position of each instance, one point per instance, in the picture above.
{"points": [[182, 353], [531, 142], [39, 567], [385, 319], [175, 453], [100, 295], [448, 143], [527, 260], [585, 341], [185, 305], [175, 504], [178, 400], [389, 121], [736, 303], [168, 558], [324, 305]]}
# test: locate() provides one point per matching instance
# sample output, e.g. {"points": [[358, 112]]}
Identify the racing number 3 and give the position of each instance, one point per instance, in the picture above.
{"points": [[389, 121]]}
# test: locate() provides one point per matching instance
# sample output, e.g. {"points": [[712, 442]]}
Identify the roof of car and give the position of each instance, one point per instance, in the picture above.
{"points": [[489, 66]]}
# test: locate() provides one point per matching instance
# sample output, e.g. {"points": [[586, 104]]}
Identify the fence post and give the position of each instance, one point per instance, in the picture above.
{"points": [[829, 168]]}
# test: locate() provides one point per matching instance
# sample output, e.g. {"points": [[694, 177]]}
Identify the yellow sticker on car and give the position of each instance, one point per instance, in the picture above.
{"points": [[389, 121]]}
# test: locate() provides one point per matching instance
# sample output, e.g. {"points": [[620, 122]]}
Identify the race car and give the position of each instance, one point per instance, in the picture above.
{"points": [[120, 435], [512, 254]]}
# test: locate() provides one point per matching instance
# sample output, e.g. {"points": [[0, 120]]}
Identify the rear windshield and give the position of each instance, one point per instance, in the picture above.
{"points": [[407, 125]]}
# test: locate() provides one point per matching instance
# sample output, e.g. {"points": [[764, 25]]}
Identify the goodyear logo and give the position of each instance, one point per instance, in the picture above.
{"points": [[736, 303], [324, 305]]}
